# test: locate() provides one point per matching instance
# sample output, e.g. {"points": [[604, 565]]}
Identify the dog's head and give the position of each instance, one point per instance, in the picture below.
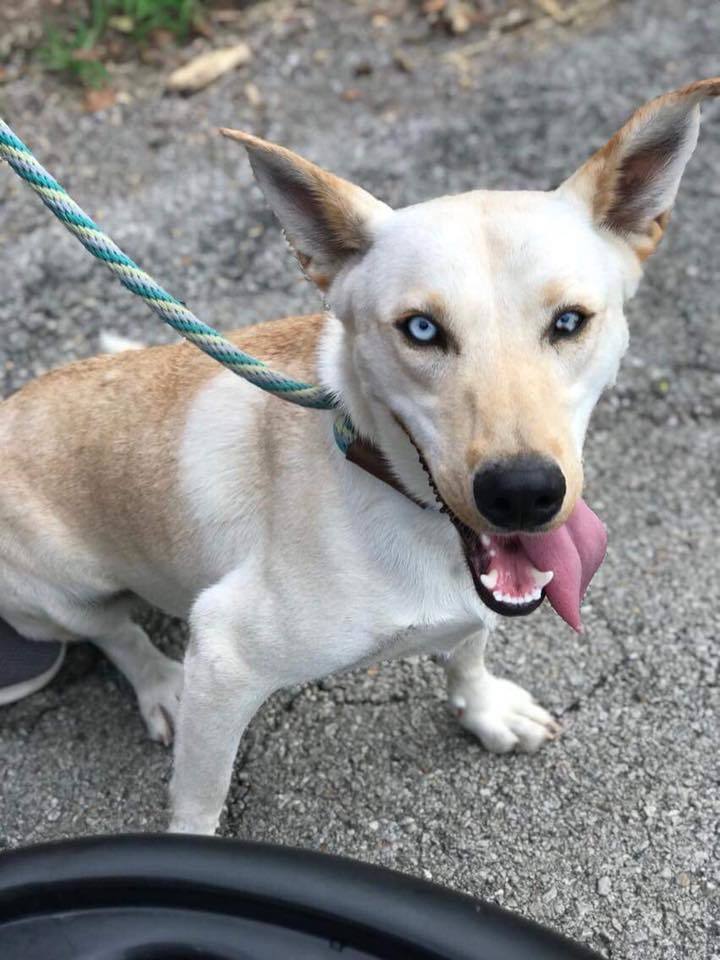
{"points": [[480, 329]]}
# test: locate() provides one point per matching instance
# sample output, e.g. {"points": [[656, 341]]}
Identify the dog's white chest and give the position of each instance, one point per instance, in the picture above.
{"points": [[427, 638]]}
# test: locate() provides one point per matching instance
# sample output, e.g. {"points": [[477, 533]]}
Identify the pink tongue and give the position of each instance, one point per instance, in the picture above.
{"points": [[573, 552]]}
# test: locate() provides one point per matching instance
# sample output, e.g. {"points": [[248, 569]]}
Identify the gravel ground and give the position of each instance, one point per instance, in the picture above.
{"points": [[610, 834]]}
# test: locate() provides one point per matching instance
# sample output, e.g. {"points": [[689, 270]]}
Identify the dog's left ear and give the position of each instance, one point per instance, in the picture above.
{"points": [[629, 185], [327, 220]]}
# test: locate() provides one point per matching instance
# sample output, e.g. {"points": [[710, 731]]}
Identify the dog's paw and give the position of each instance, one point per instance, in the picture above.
{"points": [[502, 715], [199, 826], [159, 701]]}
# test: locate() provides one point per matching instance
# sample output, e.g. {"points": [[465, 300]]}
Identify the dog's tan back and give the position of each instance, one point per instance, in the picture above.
{"points": [[90, 451]]}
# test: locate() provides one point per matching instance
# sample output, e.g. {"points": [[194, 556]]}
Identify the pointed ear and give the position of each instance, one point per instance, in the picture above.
{"points": [[630, 184], [326, 219]]}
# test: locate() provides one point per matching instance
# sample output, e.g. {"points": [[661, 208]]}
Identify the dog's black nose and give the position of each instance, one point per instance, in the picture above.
{"points": [[520, 493]]}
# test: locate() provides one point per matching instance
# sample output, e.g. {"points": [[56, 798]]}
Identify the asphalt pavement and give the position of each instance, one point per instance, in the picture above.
{"points": [[611, 833]]}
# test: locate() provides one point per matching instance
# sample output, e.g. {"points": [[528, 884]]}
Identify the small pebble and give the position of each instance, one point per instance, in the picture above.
{"points": [[603, 886]]}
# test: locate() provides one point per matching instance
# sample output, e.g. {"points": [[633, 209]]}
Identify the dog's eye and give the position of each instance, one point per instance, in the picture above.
{"points": [[568, 322], [421, 329]]}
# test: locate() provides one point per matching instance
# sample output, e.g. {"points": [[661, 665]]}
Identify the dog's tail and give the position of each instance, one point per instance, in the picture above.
{"points": [[110, 342]]}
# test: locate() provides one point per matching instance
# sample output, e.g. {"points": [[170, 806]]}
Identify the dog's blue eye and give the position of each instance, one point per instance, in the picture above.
{"points": [[421, 328], [568, 322]]}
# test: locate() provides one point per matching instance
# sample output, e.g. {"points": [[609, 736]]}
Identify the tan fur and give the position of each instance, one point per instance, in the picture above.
{"points": [[598, 179], [553, 294], [645, 246], [91, 449], [340, 204], [518, 410]]}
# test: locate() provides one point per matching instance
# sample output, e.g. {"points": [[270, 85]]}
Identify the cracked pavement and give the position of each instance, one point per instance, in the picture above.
{"points": [[611, 833]]}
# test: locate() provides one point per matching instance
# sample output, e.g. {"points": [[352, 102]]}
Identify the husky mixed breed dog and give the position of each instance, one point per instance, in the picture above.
{"points": [[469, 338]]}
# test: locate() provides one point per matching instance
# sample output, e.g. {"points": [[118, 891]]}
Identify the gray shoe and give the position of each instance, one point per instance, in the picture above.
{"points": [[26, 666]]}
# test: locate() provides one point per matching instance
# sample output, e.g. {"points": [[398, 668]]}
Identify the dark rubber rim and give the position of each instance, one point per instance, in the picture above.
{"points": [[354, 905]]}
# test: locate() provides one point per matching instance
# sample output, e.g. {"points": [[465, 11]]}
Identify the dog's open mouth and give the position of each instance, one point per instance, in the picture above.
{"points": [[512, 574], [504, 577]]}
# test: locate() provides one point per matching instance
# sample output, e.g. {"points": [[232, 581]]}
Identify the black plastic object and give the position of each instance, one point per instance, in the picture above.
{"points": [[192, 898]]}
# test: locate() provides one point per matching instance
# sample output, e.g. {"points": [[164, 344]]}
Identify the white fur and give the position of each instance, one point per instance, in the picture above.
{"points": [[372, 577], [111, 342]]}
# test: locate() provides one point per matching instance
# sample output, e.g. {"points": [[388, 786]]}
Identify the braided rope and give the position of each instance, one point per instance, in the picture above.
{"points": [[172, 311]]}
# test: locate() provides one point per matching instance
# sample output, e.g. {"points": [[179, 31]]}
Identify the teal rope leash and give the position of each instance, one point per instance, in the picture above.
{"points": [[172, 311]]}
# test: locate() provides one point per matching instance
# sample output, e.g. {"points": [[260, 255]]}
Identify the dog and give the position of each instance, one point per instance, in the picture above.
{"points": [[468, 337]]}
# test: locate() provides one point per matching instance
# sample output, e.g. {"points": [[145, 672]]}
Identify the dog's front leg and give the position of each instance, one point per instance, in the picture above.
{"points": [[501, 714], [224, 686]]}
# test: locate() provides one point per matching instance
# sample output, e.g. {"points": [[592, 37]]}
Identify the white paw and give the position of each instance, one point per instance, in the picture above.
{"points": [[159, 699], [198, 826], [502, 715]]}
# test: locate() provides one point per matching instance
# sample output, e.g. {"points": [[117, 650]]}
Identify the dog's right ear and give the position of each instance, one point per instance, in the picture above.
{"points": [[326, 220], [629, 185]]}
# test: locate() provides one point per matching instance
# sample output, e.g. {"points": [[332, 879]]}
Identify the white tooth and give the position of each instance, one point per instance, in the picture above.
{"points": [[485, 540], [493, 553], [489, 580], [500, 597], [536, 594], [542, 579]]}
